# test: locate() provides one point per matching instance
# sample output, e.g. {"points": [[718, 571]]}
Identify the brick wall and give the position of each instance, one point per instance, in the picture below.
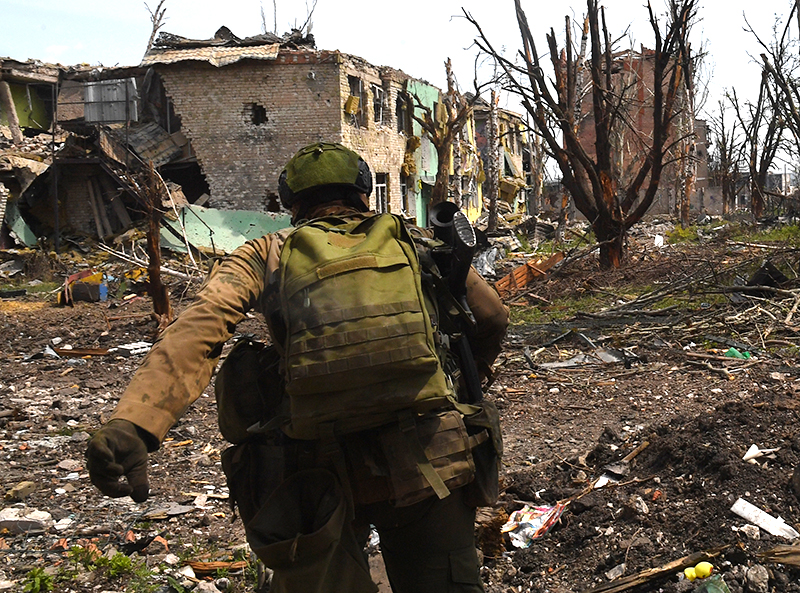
{"points": [[378, 143], [246, 120], [75, 213]]}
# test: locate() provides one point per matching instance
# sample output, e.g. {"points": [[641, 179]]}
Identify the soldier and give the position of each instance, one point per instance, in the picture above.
{"points": [[336, 477]]}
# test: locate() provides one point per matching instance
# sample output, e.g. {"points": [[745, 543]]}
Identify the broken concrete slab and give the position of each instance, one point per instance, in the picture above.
{"points": [[24, 520]]}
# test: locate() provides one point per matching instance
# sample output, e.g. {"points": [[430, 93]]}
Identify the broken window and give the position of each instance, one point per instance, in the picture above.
{"points": [[377, 104], [401, 114], [354, 106], [258, 114], [381, 198]]}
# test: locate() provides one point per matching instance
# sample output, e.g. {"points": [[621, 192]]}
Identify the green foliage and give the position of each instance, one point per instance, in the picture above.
{"points": [[37, 581], [789, 234], [175, 585], [86, 557], [746, 233], [523, 241], [572, 241], [42, 287], [142, 580], [683, 235], [118, 565], [563, 309]]}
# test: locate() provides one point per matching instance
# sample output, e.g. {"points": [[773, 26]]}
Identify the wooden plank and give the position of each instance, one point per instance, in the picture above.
{"points": [[101, 206], [98, 225], [522, 275]]}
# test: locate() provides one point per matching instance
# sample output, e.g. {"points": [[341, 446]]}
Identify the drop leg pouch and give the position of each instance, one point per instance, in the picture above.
{"points": [[304, 535], [484, 490]]}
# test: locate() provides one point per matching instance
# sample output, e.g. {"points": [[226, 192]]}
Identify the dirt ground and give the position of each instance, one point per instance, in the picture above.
{"points": [[669, 387]]}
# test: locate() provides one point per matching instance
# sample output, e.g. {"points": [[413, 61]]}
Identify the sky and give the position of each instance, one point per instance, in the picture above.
{"points": [[416, 36]]}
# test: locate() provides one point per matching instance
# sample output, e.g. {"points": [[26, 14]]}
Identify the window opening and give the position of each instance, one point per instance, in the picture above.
{"points": [[377, 104], [258, 114], [404, 206], [400, 110], [355, 103], [381, 201]]}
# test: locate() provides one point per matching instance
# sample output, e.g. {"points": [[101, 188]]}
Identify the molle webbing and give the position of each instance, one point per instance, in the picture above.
{"points": [[356, 317], [313, 320]]}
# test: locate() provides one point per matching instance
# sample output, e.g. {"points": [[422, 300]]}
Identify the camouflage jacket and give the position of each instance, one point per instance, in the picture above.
{"points": [[181, 363]]}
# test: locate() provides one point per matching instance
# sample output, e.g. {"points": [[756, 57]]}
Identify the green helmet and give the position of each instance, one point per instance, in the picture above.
{"points": [[319, 164]]}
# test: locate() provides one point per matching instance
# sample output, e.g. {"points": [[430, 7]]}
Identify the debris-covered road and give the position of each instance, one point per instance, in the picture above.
{"points": [[658, 378]]}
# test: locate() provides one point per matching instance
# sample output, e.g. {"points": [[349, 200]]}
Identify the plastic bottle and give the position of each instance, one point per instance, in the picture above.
{"points": [[713, 584]]}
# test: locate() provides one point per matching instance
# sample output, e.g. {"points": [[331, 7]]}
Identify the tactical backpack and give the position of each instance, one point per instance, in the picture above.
{"points": [[359, 334]]}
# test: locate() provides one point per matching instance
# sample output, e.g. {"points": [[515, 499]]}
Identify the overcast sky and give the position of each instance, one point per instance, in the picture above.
{"points": [[415, 36]]}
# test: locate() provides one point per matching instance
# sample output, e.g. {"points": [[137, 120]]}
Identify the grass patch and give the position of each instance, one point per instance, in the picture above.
{"points": [[563, 309], [35, 289], [37, 581], [552, 246], [139, 576], [746, 233], [683, 235]]}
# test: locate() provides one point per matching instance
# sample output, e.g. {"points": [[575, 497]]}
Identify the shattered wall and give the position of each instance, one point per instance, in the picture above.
{"points": [[378, 140], [247, 119]]}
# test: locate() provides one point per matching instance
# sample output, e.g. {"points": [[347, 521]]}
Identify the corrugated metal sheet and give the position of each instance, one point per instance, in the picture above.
{"points": [[216, 56], [152, 143], [111, 101]]}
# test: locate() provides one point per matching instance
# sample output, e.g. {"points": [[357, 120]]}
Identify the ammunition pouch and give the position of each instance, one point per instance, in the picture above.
{"points": [[413, 459], [484, 490], [302, 534], [249, 388]]}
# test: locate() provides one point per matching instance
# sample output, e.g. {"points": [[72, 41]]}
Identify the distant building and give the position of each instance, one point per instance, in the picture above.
{"points": [[634, 72], [220, 117]]}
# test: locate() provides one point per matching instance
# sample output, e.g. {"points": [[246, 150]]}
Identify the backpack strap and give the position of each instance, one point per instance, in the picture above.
{"points": [[409, 429]]}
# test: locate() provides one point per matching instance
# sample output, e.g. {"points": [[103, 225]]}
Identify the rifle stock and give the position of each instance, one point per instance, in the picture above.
{"points": [[453, 228]]}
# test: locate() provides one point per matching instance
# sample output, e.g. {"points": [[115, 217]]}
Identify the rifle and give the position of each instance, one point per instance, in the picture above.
{"points": [[452, 227]]}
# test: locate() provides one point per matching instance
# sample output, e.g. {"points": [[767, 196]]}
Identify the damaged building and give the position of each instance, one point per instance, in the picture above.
{"points": [[513, 151], [218, 118], [27, 107], [246, 105]]}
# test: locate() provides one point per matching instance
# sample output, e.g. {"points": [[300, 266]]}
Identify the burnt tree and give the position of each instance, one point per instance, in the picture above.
{"points": [[150, 190], [763, 130], [726, 158], [443, 127], [593, 177]]}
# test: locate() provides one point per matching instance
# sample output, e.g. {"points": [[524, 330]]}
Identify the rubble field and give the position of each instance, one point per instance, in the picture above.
{"points": [[652, 382]]}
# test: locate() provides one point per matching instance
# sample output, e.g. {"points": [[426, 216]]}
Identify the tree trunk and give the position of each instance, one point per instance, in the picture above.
{"points": [[611, 236], [162, 308], [536, 158], [493, 166], [756, 201], [439, 192], [457, 171], [562, 217]]}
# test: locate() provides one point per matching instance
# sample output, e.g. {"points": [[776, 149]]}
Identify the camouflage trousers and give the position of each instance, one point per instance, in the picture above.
{"points": [[308, 535]]}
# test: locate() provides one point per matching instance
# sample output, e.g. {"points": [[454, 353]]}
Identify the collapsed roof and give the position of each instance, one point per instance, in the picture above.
{"points": [[224, 48]]}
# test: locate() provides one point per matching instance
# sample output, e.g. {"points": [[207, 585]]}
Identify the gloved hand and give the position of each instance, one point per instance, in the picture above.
{"points": [[115, 450]]}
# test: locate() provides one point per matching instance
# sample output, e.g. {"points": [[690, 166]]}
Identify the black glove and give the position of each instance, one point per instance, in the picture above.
{"points": [[118, 449]]}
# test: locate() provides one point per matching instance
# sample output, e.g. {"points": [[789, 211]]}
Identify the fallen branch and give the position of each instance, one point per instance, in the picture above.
{"points": [[782, 554], [759, 246], [652, 574], [722, 372], [134, 260]]}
